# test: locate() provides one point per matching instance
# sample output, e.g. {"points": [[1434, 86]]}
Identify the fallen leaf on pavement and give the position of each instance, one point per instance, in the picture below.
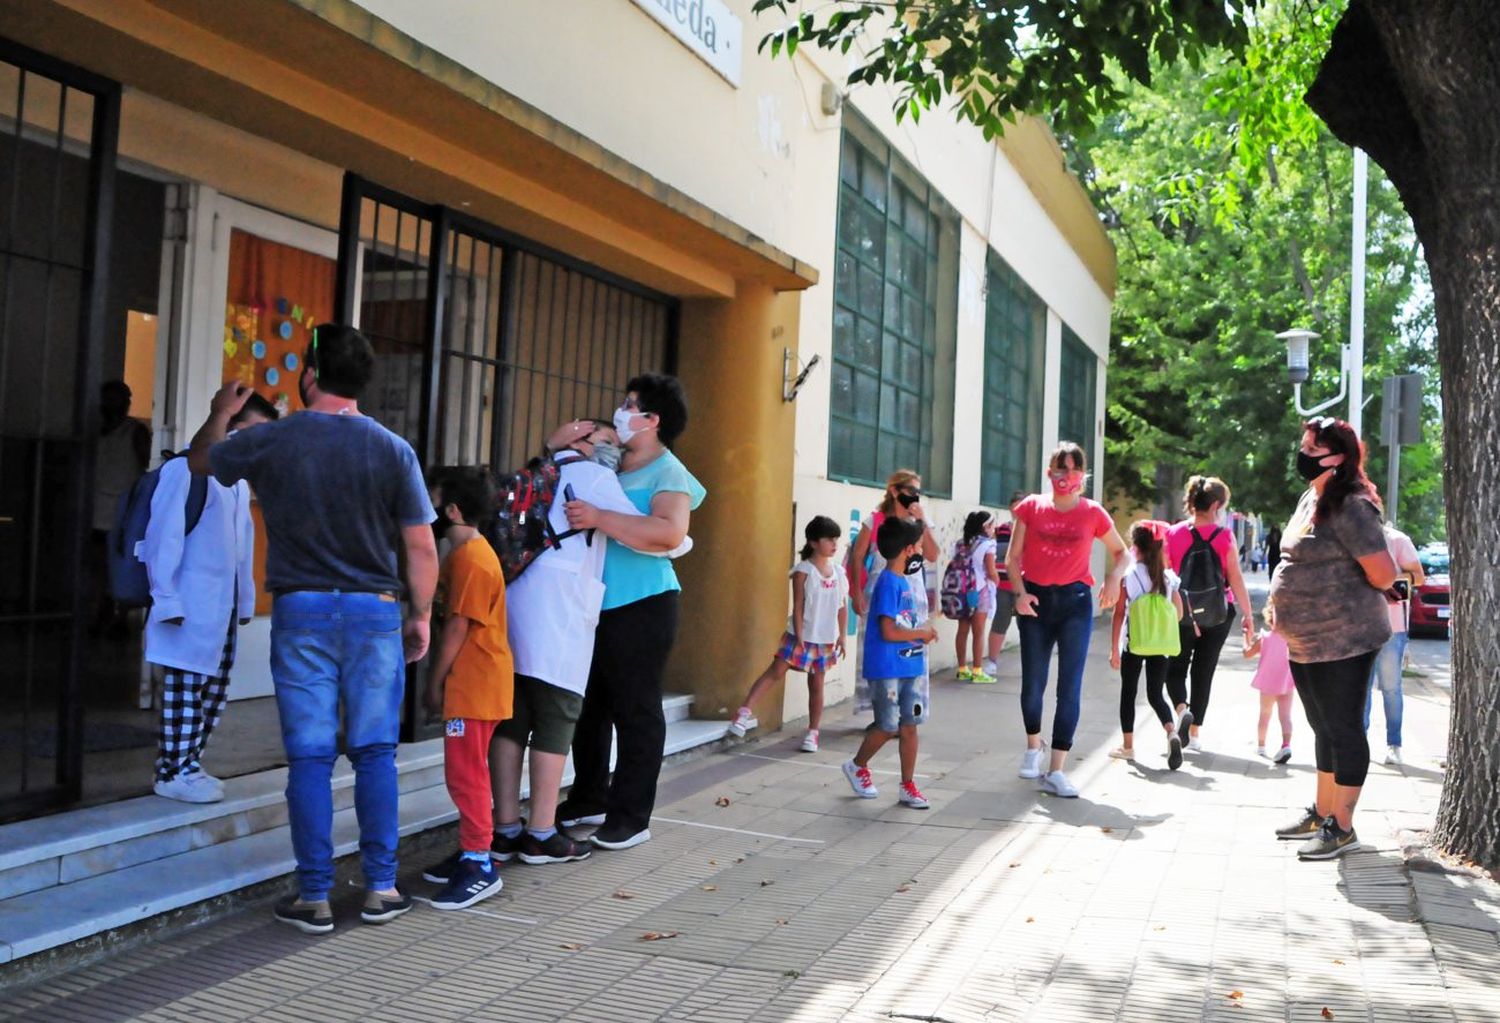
{"points": [[722, 801], [624, 895], [903, 889], [1159, 927], [1016, 864], [658, 935], [767, 884], [710, 887], [571, 947], [1235, 995], [713, 863], [1327, 1012], [780, 922], [1108, 831], [1338, 962], [1031, 919], [739, 859]]}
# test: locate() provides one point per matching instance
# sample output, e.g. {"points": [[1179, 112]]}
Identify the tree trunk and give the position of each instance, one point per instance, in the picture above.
{"points": [[1413, 82]]}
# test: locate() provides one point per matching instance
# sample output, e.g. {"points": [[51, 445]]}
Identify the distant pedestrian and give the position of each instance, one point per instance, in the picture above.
{"points": [[1144, 636], [814, 638], [1273, 680], [471, 681], [1005, 594], [1273, 550], [1331, 607], [1201, 551], [1049, 568], [344, 504], [202, 591], [973, 565], [895, 662], [1387, 674]]}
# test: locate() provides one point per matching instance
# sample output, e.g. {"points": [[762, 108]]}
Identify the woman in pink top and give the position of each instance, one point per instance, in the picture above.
{"points": [[1211, 607], [1048, 565]]}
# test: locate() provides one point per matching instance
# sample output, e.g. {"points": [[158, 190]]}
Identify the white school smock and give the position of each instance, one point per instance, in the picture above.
{"points": [[200, 577], [552, 609], [822, 599]]}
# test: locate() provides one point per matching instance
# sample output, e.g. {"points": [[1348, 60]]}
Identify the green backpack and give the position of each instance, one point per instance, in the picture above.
{"points": [[1153, 627]]}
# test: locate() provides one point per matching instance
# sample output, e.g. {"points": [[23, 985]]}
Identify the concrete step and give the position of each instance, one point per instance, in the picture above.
{"points": [[676, 706], [73, 875]]}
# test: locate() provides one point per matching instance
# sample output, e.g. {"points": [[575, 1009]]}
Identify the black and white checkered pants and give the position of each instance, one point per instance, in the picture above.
{"points": [[191, 705]]}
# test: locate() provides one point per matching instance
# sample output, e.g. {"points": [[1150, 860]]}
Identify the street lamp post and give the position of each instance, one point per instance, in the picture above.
{"points": [[1297, 369]]}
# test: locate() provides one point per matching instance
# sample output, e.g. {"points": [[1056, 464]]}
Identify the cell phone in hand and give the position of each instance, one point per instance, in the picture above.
{"points": [[1400, 590]]}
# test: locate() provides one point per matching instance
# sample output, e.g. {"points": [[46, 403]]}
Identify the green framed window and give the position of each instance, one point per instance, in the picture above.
{"points": [[1077, 394], [1015, 340], [894, 319]]}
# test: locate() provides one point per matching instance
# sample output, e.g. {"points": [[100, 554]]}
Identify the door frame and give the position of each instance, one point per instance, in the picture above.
{"points": [[99, 212]]}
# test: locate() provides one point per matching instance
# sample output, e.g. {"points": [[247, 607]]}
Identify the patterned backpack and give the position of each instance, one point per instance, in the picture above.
{"points": [[521, 528], [959, 584]]}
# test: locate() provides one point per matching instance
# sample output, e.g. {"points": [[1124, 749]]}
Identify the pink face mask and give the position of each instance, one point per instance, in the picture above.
{"points": [[1065, 483]]}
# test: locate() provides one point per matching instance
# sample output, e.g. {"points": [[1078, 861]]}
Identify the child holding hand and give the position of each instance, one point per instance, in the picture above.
{"points": [[1273, 678]]}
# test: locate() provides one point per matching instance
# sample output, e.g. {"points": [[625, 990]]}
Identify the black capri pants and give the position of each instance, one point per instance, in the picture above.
{"points": [[1333, 695]]}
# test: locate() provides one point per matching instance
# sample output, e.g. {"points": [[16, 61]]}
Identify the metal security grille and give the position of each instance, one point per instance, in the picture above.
{"points": [[1015, 338], [486, 340], [1076, 396], [58, 126]]}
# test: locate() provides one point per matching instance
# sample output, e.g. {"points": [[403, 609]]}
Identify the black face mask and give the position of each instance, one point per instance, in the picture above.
{"points": [[1308, 467], [907, 498], [914, 564]]}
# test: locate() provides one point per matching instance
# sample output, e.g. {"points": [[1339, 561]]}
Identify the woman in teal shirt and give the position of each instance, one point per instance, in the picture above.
{"points": [[638, 623]]}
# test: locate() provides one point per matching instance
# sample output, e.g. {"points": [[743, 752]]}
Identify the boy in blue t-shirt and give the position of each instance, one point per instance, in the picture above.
{"points": [[895, 662]]}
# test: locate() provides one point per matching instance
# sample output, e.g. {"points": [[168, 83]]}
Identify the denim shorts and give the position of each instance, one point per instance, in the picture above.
{"points": [[899, 701]]}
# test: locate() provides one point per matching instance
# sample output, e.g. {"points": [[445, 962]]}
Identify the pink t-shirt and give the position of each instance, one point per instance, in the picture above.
{"points": [[1180, 538], [1058, 543], [1273, 675], [1404, 552]]}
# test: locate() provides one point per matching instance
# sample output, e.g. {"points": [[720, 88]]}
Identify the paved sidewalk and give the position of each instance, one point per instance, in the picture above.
{"points": [[777, 896]]}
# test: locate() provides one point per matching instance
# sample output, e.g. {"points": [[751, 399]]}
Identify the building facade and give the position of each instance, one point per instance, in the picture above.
{"points": [[522, 204]]}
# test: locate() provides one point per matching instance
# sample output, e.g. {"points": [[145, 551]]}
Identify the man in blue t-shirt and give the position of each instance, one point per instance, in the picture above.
{"points": [[895, 662], [347, 516]]}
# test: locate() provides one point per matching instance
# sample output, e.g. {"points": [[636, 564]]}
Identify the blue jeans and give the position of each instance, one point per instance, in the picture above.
{"points": [[1387, 675], [1065, 619], [327, 649]]}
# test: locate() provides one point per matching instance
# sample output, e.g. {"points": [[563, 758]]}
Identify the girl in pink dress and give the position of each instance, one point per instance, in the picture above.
{"points": [[1273, 677]]}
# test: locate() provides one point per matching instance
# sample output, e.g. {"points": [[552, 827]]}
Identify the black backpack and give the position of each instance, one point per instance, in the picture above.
{"points": [[1202, 577]]}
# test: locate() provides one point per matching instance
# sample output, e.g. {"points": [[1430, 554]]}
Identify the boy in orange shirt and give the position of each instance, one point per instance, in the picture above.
{"points": [[472, 683]]}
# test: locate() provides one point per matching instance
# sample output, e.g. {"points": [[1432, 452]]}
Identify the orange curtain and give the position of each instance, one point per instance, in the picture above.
{"points": [[276, 294]]}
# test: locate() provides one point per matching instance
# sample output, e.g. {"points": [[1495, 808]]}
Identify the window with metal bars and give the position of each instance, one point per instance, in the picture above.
{"points": [[1079, 375], [485, 341], [894, 321], [1015, 339]]}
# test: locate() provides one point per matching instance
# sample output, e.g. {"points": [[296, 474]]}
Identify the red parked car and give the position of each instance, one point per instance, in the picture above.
{"points": [[1430, 610]]}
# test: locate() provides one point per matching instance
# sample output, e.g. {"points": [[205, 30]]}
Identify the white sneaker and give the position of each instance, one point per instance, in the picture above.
{"points": [[1195, 745], [185, 788], [1057, 784], [810, 741], [989, 667], [1260, 751], [208, 779], [1031, 762], [860, 780], [743, 722], [1393, 756]]}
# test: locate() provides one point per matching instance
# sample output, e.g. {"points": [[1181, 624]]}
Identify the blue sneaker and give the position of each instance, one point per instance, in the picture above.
{"points": [[471, 882]]}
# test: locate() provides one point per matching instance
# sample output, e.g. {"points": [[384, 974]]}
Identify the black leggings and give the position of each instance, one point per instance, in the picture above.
{"points": [[1156, 677], [1201, 653], [631, 646], [1333, 695]]}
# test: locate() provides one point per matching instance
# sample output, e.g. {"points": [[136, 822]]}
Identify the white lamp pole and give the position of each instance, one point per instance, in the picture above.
{"points": [[1357, 298]]}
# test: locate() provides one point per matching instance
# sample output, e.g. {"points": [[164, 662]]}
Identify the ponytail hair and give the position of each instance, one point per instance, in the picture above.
{"points": [[1203, 492], [974, 525], [820, 528], [1148, 538]]}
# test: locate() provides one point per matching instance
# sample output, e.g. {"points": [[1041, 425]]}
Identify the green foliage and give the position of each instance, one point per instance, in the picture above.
{"points": [[1001, 58]]}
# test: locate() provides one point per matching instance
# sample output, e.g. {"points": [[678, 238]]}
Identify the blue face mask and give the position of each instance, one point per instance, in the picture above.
{"points": [[607, 454]]}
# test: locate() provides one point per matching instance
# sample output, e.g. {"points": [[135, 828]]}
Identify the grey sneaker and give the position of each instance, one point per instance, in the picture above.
{"points": [[1283, 755], [1329, 843], [1056, 783], [1305, 826], [1031, 762]]}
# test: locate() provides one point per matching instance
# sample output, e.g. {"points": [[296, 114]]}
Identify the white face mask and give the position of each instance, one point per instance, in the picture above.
{"points": [[622, 419]]}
